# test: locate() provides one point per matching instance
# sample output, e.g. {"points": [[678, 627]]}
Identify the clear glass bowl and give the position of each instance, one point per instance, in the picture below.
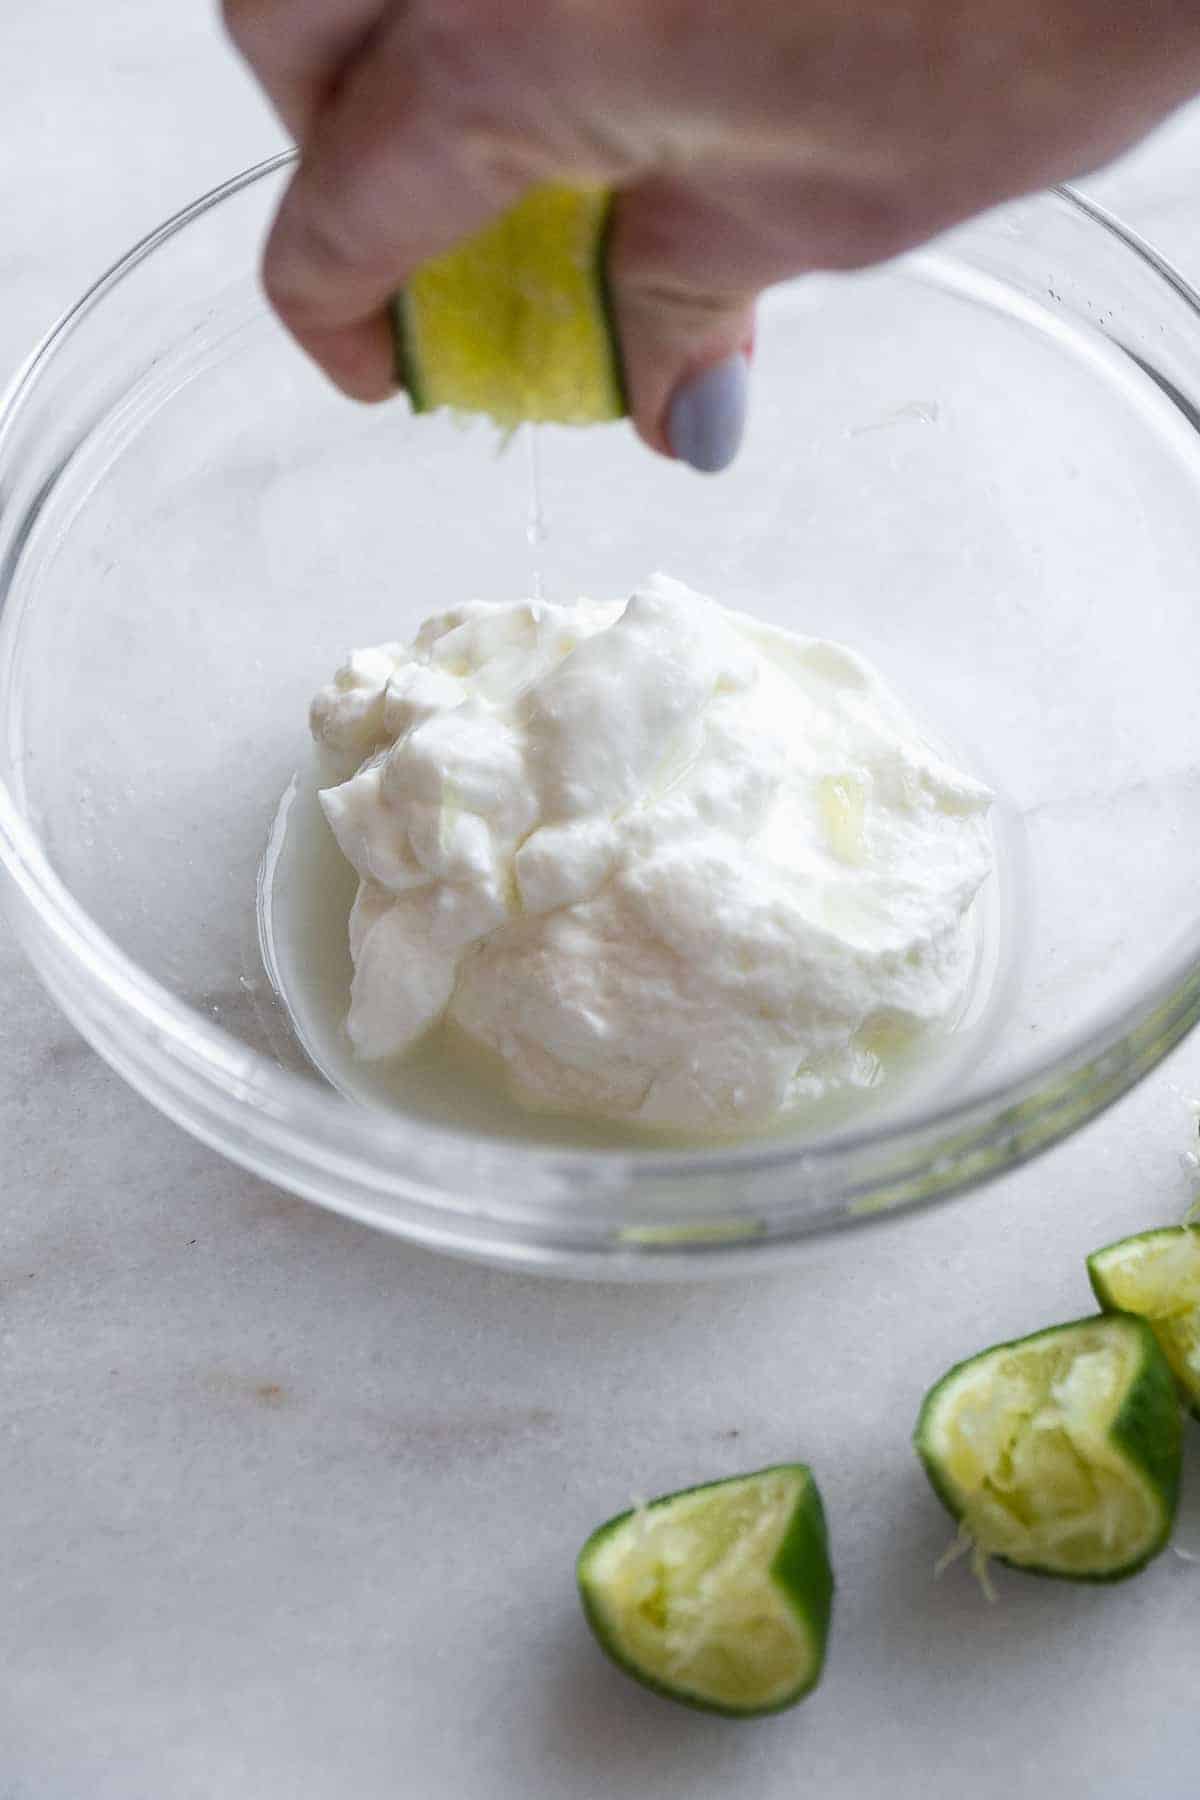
{"points": [[980, 465]]}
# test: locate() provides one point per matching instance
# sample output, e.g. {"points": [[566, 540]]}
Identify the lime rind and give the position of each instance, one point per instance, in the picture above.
{"points": [[406, 367], [602, 275], [718, 1596], [1059, 1453]]}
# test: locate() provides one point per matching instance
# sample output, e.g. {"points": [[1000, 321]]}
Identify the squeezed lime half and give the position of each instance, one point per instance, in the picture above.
{"points": [[1059, 1453], [719, 1596]]}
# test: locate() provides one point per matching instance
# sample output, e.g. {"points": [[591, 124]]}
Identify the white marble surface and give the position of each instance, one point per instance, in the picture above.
{"points": [[287, 1509]]}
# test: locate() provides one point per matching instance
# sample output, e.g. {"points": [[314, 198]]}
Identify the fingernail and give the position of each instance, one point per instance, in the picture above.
{"points": [[707, 415]]}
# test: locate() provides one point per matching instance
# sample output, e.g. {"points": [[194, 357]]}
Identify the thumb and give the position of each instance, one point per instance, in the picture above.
{"points": [[686, 332], [690, 254]]}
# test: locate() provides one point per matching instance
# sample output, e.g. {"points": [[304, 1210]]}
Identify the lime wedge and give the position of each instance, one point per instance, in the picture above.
{"points": [[1059, 1453], [719, 1596], [1157, 1275], [515, 322]]}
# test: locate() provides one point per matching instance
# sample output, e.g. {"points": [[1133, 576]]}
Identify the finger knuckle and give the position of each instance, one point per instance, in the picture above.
{"points": [[501, 161], [302, 258], [321, 260]]}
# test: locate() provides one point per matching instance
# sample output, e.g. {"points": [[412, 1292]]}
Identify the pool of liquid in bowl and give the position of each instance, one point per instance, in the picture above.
{"points": [[306, 889]]}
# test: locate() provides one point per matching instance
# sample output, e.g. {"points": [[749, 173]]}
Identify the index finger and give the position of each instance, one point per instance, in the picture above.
{"points": [[392, 175]]}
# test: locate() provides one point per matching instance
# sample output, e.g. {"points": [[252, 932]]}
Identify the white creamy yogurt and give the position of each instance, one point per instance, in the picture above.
{"points": [[672, 866]]}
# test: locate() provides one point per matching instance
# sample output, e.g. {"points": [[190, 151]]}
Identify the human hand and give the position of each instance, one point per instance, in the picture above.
{"points": [[750, 141]]}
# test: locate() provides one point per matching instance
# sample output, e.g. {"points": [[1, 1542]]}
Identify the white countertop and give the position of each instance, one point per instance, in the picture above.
{"points": [[289, 1510]]}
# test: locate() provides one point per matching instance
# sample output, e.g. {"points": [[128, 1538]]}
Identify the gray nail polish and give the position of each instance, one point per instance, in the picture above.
{"points": [[708, 415]]}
